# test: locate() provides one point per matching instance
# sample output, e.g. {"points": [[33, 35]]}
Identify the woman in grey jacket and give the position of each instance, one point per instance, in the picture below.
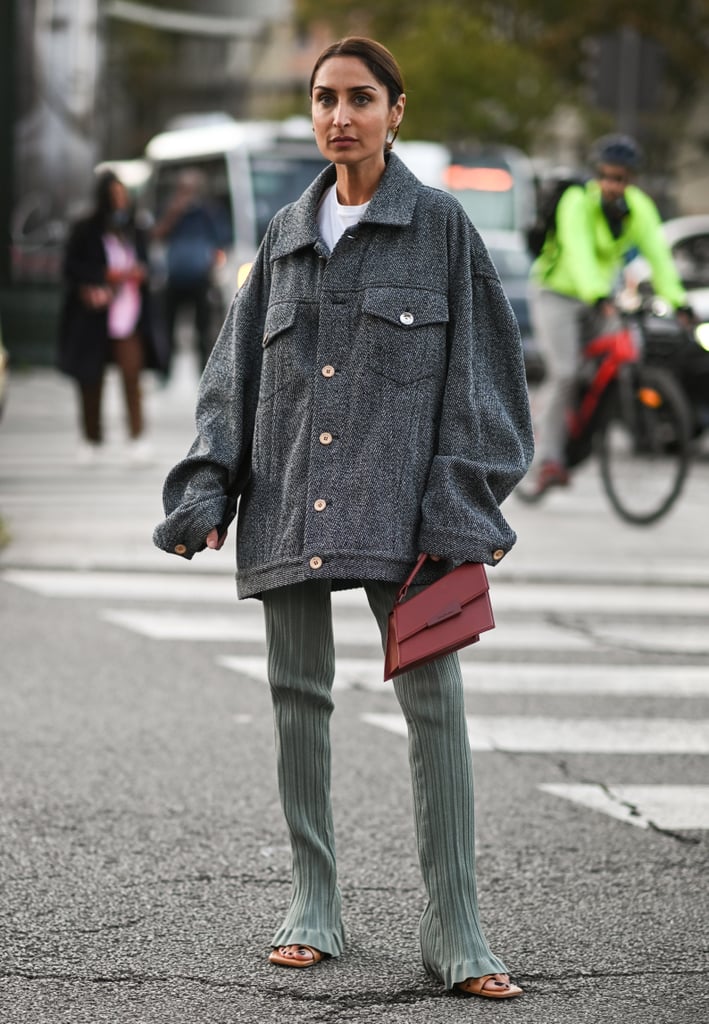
{"points": [[365, 401]]}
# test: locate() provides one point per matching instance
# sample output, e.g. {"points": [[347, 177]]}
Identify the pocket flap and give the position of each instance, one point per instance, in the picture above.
{"points": [[279, 317], [407, 307]]}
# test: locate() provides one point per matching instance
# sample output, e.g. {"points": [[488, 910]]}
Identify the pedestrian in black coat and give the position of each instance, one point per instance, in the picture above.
{"points": [[106, 315]]}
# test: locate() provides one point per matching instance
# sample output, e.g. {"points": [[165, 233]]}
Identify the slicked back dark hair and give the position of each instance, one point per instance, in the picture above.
{"points": [[376, 57]]}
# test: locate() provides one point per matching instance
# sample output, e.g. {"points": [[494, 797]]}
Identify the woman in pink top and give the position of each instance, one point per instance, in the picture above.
{"points": [[106, 314]]}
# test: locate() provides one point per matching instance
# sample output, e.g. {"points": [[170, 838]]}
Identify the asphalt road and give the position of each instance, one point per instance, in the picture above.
{"points": [[143, 858]]}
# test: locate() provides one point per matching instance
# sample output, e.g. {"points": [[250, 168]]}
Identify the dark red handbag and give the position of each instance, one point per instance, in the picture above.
{"points": [[449, 614]]}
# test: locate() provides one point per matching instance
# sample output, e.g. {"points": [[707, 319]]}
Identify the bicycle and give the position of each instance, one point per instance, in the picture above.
{"points": [[635, 418]]}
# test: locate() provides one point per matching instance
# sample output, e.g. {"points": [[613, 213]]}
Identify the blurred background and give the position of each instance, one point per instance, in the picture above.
{"points": [[498, 93]]}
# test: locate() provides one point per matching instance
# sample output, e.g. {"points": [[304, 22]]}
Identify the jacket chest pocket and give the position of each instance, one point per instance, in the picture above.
{"points": [[278, 366], [406, 330]]}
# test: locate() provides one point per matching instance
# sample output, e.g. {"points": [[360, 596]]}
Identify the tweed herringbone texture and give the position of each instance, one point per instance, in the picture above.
{"points": [[375, 394], [301, 671]]}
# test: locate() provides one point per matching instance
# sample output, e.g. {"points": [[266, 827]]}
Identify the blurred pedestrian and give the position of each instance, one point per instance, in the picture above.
{"points": [[106, 314], [194, 237], [597, 226], [367, 400]]}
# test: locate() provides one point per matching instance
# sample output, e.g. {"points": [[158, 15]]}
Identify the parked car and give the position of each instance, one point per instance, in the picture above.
{"points": [[685, 353], [508, 251], [688, 239], [252, 169]]}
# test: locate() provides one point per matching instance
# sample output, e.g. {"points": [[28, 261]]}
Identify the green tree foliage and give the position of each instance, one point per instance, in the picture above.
{"points": [[495, 69], [464, 81]]}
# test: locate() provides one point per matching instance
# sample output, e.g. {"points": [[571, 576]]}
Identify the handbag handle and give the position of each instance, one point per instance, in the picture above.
{"points": [[410, 578]]}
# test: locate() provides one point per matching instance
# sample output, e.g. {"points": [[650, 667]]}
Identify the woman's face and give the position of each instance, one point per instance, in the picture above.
{"points": [[67, 54], [120, 199], [351, 112]]}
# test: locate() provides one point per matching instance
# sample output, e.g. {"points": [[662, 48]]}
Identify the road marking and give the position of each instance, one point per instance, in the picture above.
{"points": [[175, 625], [535, 734], [547, 626], [665, 807], [509, 678], [240, 625], [173, 586], [531, 599]]}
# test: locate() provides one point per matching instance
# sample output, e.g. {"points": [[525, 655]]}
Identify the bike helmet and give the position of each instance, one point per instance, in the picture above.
{"points": [[619, 150]]}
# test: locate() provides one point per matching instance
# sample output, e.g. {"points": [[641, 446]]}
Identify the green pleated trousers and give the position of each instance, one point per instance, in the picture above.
{"points": [[301, 670]]}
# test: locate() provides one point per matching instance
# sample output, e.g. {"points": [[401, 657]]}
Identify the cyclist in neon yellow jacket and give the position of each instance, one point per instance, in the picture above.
{"points": [[596, 226]]}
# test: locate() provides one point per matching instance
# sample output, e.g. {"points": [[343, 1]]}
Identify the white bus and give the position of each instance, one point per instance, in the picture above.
{"points": [[252, 169]]}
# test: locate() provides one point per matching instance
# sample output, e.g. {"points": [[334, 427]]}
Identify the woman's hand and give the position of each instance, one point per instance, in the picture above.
{"points": [[95, 296], [138, 273], [214, 541]]}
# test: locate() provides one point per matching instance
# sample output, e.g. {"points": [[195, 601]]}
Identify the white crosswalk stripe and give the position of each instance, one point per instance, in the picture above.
{"points": [[530, 734], [496, 678], [553, 639], [665, 807], [182, 584]]}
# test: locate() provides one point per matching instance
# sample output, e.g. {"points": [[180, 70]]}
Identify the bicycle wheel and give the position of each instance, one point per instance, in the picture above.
{"points": [[643, 444]]}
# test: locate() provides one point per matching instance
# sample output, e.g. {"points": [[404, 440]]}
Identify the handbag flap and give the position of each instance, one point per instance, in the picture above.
{"points": [[443, 599]]}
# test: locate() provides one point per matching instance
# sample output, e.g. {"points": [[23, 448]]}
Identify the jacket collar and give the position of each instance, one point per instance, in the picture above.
{"points": [[393, 203]]}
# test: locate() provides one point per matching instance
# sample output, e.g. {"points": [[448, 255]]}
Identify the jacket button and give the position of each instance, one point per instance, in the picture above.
{"points": [[316, 562], [320, 505], [325, 437], [180, 549], [407, 318], [328, 371], [497, 555]]}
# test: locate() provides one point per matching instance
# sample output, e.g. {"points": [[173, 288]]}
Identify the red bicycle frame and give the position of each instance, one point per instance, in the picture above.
{"points": [[614, 349]]}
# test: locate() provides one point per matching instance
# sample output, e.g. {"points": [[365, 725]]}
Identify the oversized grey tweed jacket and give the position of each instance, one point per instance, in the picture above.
{"points": [[374, 396]]}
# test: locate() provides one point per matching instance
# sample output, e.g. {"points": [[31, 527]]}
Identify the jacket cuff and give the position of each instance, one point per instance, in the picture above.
{"points": [[457, 549], [184, 531]]}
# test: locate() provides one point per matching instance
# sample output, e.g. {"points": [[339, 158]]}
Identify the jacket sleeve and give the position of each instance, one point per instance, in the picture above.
{"points": [[485, 441], [648, 237], [201, 491]]}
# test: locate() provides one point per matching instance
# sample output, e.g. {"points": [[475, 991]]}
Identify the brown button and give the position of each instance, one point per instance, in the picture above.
{"points": [[328, 371], [325, 437], [497, 555], [316, 562], [180, 549], [319, 505]]}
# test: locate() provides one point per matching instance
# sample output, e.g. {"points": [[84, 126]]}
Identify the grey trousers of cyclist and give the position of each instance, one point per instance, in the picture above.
{"points": [[301, 668], [556, 322]]}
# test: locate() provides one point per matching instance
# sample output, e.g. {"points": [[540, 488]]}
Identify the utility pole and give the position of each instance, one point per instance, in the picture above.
{"points": [[628, 92], [7, 129]]}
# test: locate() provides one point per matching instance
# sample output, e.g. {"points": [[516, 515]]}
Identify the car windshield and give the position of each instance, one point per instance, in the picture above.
{"points": [[691, 257], [216, 185], [510, 262], [278, 180], [486, 193]]}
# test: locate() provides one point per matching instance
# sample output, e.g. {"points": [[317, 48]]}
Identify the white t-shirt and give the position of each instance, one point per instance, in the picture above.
{"points": [[334, 218]]}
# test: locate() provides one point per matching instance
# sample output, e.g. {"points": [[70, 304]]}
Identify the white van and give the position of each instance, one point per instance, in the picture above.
{"points": [[252, 169]]}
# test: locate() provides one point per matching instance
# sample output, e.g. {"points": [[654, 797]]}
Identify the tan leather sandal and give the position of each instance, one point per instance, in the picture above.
{"points": [[475, 987], [297, 957]]}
